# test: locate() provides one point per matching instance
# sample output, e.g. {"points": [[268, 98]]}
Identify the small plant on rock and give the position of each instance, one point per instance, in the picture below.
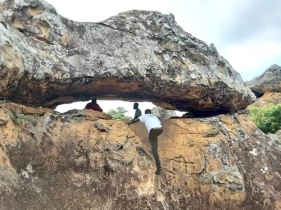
{"points": [[20, 118]]}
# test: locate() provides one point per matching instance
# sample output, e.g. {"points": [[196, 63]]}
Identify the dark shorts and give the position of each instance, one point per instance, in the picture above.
{"points": [[154, 132]]}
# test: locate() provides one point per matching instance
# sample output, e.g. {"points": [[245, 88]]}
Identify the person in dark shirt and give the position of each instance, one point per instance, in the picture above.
{"points": [[138, 111], [93, 105]]}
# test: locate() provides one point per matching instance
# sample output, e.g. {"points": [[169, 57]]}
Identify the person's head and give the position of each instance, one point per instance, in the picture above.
{"points": [[136, 105], [94, 101], [147, 111]]}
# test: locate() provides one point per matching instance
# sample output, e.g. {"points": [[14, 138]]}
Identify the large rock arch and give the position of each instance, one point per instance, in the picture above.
{"points": [[48, 60]]}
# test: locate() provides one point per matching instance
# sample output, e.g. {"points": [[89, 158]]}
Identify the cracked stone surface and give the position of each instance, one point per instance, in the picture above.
{"points": [[85, 160], [47, 60]]}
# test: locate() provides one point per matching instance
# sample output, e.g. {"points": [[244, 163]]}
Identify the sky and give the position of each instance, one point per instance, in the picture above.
{"points": [[246, 32]]}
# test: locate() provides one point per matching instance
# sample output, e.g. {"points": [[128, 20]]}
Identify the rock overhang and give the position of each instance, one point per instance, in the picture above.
{"points": [[48, 60]]}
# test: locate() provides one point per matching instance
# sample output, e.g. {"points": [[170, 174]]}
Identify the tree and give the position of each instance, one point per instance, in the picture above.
{"points": [[267, 118], [119, 114]]}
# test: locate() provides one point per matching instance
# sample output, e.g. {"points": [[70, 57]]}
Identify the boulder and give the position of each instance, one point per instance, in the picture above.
{"points": [[47, 60], [163, 114], [79, 161], [267, 87], [269, 81]]}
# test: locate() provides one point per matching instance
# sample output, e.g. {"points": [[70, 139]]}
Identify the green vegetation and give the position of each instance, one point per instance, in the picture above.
{"points": [[19, 118], [119, 114], [267, 118]]}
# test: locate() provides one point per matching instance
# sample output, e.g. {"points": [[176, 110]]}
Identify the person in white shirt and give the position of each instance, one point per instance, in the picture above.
{"points": [[154, 128]]}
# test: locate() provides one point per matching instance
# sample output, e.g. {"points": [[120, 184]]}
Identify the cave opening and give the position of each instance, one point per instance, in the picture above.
{"points": [[108, 105]]}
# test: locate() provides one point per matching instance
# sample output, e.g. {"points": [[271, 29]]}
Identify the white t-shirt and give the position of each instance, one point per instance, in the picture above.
{"points": [[150, 121]]}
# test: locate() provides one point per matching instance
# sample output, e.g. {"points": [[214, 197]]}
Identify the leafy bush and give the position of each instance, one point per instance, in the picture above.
{"points": [[119, 114], [20, 118], [267, 118]]}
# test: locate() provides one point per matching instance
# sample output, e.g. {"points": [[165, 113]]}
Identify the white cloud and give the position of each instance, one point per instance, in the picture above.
{"points": [[253, 58]]}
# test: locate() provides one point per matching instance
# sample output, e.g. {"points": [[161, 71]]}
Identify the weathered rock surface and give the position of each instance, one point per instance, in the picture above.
{"points": [[275, 139], [163, 114], [269, 81], [82, 160], [48, 60]]}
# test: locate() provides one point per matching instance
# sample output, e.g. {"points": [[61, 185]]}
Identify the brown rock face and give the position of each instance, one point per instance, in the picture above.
{"points": [[47, 60], [83, 160], [268, 98]]}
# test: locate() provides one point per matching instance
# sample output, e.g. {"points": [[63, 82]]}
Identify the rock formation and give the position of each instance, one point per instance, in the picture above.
{"points": [[163, 114], [47, 60], [84, 160], [269, 81], [267, 87]]}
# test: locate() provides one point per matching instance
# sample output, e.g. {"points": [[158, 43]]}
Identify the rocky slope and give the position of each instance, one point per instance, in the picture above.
{"points": [[48, 60], [84, 160]]}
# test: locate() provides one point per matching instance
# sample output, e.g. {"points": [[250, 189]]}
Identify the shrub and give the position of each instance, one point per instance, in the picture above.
{"points": [[267, 118]]}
